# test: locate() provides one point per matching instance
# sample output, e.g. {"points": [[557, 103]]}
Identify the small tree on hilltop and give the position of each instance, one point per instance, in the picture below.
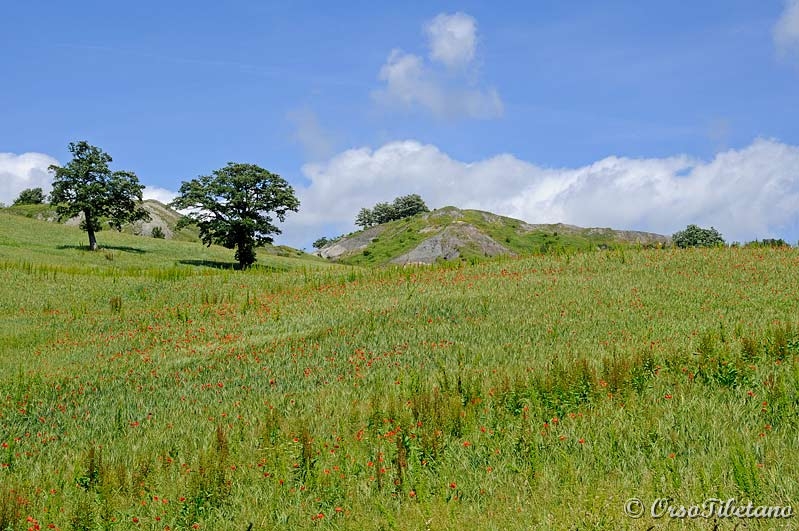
{"points": [[30, 196], [365, 218], [321, 242], [409, 205], [234, 207], [694, 236], [402, 207], [383, 213], [85, 185]]}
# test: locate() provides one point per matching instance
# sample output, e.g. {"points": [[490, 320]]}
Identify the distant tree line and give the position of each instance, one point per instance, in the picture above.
{"points": [[768, 242], [402, 207]]}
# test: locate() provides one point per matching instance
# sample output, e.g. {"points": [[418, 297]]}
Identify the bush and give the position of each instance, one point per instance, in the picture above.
{"points": [[30, 196], [694, 236], [768, 242], [158, 233]]}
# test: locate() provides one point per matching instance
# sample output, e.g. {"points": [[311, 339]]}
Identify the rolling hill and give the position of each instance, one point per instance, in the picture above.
{"points": [[161, 216], [448, 233], [32, 239]]}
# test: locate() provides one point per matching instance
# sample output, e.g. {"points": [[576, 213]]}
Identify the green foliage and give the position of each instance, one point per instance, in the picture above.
{"points": [[408, 205], [402, 207], [235, 207], [87, 186], [694, 236], [30, 196], [321, 242], [768, 242], [365, 218], [158, 233]]}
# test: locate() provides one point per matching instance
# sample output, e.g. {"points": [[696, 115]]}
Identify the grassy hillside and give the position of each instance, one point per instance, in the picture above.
{"points": [[524, 393], [42, 243], [161, 216], [475, 229]]}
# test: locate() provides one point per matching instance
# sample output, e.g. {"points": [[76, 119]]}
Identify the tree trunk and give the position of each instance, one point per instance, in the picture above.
{"points": [[90, 229]]}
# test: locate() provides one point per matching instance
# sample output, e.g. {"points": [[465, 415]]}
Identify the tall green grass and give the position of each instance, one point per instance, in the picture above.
{"points": [[535, 393]]}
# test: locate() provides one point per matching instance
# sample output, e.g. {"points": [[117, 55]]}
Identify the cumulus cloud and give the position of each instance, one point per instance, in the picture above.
{"points": [[786, 31], [410, 82], [18, 172], [746, 193], [162, 195], [452, 39]]}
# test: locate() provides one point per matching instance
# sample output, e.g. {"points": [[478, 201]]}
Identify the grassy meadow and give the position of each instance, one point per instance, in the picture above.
{"points": [[150, 386]]}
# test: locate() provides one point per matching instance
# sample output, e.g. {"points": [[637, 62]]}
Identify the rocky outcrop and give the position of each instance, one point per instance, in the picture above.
{"points": [[449, 243], [349, 244]]}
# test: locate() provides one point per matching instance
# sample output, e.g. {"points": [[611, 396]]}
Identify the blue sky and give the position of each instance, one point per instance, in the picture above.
{"points": [[644, 115]]}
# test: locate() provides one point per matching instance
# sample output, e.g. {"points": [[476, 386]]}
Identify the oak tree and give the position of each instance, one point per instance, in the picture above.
{"points": [[236, 207], [86, 185]]}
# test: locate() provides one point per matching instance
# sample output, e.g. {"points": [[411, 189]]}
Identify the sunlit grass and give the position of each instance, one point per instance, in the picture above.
{"points": [[535, 393]]}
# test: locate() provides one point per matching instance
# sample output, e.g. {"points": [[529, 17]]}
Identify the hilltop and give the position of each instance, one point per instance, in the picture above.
{"points": [[448, 233]]}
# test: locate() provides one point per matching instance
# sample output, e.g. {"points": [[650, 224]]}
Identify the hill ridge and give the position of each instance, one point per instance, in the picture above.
{"points": [[449, 232]]}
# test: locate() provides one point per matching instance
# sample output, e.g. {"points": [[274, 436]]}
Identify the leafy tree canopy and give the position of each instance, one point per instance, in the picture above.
{"points": [[236, 207], [31, 196], [402, 207], [694, 236], [321, 242], [85, 185]]}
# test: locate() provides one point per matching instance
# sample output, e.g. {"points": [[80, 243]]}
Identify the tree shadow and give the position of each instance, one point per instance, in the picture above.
{"points": [[211, 263], [232, 266], [122, 248]]}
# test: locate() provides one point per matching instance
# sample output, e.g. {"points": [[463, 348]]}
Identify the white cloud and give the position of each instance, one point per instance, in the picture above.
{"points": [[316, 142], [452, 38], [18, 172], [162, 195], [786, 31], [747, 193], [411, 82]]}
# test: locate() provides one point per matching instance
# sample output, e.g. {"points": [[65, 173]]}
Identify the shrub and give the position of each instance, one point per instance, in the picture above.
{"points": [[768, 242], [30, 196], [158, 233], [695, 236]]}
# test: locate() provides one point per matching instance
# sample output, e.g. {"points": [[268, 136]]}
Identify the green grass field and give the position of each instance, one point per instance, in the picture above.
{"points": [[149, 386]]}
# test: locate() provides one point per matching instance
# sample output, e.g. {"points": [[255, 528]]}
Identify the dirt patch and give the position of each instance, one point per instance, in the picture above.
{"points": [[350, 244], [448, 245]]}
